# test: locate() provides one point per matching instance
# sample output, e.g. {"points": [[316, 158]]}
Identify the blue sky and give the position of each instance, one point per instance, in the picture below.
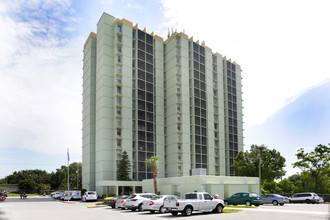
{"points": [[282, 47]]}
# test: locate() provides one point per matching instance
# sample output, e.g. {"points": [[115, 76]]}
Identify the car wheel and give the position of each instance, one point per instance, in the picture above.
{"points": [[275, 202], [152, 211], [140, 208], [281, 204], [122, 208], [174, 213], [218, 209], [187, 211], [308, 201], [133, 210], [256, 205], [162, 209], [290, 201], [248, 203], [226, 203]]}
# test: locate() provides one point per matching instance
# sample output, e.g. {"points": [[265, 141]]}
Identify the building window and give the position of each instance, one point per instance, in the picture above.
{"points": [[118, 111], [118, 100], [118, 89], [119, 69], [119, 39], [119, 49], [118, 79], [118, 122], [119, 59], [119, 28], [118, 142]]}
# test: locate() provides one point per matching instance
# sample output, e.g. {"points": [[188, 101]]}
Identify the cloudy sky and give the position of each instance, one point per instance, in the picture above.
{"points": [[282, 46]]}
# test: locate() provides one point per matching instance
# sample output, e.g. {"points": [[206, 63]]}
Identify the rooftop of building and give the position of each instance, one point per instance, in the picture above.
{"points": [[156, 37]]}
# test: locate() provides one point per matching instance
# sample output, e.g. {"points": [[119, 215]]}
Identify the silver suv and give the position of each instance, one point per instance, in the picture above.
{"points": [[305, 198], [135, 201]]}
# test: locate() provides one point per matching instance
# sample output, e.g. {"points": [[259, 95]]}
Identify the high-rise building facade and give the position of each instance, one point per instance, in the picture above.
{"points": [[147, 96]]}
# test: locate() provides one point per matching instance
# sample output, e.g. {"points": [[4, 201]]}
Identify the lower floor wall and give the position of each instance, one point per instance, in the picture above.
{"points": [[224, 186]]}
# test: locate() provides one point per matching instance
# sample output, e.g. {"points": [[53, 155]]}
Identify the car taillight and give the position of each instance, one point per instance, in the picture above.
{"points": [[313, 197], [283, 198], [151, 203], [122, 201], [86, 195], [133, 200], [177, 204]]}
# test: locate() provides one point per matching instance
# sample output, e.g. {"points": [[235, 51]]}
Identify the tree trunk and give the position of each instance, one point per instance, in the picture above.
{"points": [[154, 175]]}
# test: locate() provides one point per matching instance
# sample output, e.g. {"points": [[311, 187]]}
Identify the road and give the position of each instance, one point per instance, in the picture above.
{"points": [[41, 208]]}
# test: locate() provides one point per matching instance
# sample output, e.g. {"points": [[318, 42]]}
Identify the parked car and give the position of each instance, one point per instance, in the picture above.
{"points": [[121, 202], [305, 198], [89, 196], [112, 202], [56, 195], [274, 199], [244, 198], [194, 201], [134, 202], [321, 200], [156, 203]]}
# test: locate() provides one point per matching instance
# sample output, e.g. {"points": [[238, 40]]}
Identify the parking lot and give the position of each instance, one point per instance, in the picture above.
{"points": [[41, 208]]}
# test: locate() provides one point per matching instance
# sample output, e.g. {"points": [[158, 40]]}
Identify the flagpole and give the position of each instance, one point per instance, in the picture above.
{"points": [[68, 174]]}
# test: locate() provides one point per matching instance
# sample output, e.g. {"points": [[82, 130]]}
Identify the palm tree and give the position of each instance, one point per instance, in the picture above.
{"points": [[153, 164]]}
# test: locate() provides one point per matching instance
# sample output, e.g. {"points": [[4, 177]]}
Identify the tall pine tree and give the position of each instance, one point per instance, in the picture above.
{"points": [[124, 168]]}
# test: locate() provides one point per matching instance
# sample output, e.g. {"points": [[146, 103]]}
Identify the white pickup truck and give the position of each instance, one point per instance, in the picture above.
{"points": [[195, 201]]}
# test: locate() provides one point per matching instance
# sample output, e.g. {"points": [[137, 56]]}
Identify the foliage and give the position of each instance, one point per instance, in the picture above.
{"points": [[286, 186], [152, 163], [3, 181], [46, 181], [316, 165], [270, 187], [27, 185], [38, 176], [247, 163], [124, 168]]}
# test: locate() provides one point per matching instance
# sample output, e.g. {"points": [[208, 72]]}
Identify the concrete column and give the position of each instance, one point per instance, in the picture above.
{"points": [[107, 192], [133, 189], [117, 190]]}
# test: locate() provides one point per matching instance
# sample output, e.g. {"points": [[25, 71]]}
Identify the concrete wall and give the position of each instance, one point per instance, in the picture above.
{"points": [[9, 187]]}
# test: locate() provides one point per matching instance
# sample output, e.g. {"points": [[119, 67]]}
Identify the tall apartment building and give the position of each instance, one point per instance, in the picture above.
{"points": [[147, 96]]}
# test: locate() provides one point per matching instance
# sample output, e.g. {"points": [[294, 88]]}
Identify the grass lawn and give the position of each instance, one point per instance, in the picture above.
{"points": [[226, 210], [242, 206], [17, 194]]}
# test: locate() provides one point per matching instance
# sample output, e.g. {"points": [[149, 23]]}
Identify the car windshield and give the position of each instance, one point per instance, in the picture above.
{"points": [[131, 196], [91, 193]]}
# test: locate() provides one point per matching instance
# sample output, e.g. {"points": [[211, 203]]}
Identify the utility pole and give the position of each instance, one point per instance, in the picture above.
{"points": [[260, 154]]}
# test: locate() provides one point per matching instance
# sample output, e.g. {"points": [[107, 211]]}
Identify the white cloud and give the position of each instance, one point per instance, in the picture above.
{"points": [[40, 79], [282, 46]]}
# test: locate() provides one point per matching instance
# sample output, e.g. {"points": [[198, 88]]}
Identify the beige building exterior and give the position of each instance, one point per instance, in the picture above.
{"points": [[173, 98]]}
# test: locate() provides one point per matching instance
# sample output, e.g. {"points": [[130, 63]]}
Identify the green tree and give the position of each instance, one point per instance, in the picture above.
{"points": [[270, 187], [38, 176], [152, 163], [286, 186], [3, 181], [124, 168], [317, 164], [247, 163], [27, 185]]}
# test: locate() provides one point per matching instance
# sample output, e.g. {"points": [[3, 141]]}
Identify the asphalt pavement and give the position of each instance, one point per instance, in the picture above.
{"points": [[44, 207]]}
